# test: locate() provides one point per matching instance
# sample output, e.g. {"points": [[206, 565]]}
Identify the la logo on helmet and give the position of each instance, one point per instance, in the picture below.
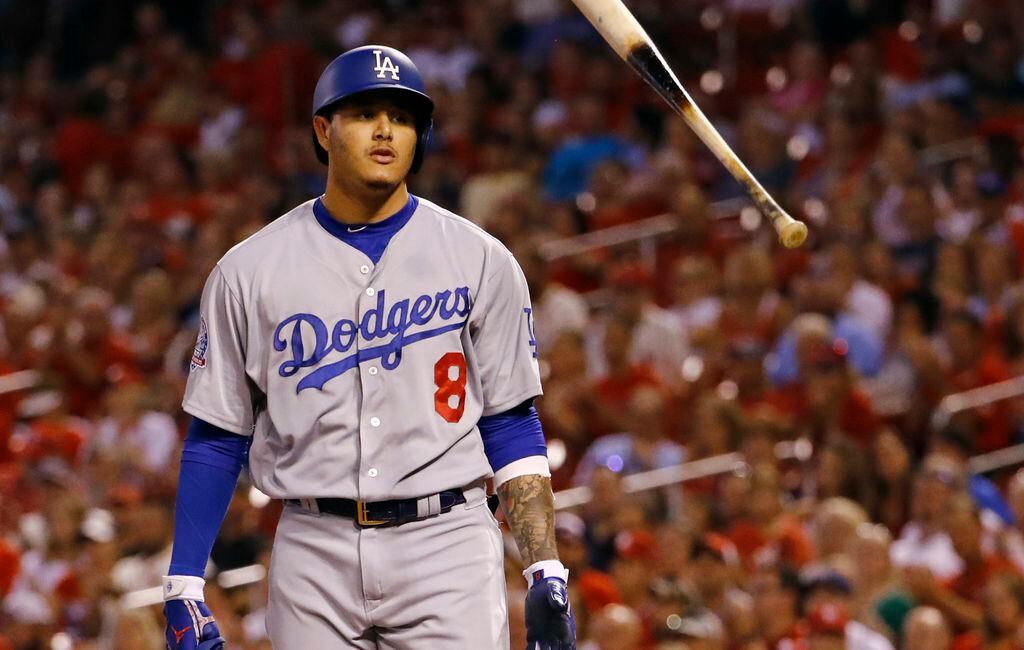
{"points": [[384, 67]]}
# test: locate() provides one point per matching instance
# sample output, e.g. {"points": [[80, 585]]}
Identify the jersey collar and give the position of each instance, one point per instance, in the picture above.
{"points": [[372, 238]]}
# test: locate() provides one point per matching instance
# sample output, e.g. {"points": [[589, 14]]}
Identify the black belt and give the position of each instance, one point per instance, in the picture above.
{"points": [[383, 513]]}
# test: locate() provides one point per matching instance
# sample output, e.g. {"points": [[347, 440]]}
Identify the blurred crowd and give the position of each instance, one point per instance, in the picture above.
{"points": [[139, 141]]}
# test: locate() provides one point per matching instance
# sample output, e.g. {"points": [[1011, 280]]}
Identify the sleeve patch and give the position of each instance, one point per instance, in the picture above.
{"points": [[202, 346], [529, 329]]}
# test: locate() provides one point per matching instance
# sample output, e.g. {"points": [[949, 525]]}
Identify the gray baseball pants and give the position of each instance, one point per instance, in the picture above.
{"points": [[433, 584]]}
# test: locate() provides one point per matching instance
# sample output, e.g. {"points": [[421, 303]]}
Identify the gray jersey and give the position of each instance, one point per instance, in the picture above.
{"points": [[360, 380]]}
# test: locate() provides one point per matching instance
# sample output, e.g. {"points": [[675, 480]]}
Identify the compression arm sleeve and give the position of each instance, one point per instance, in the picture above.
{"points": [[514, 443], [211, 461]]}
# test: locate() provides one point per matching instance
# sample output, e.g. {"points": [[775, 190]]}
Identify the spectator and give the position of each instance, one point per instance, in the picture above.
{"points": [[955, 441], [861, 300], [924, 541], [1004, 607], [752, 307], [764, 530], [1011, 538], [695, 303], [841, 472], [826, 625], [655, 337], [567, 404], [927, 629], [643, 448], [892, 478], [776, 601], [556, 308], [716, 567], [571, 165], [879, 600], [633, 568], [830, 593], [836, 521], [961, 601], [615, 626], [623, 377], [590, 588], [971, 365], [133, 436], [915, 250], [131, 160]]}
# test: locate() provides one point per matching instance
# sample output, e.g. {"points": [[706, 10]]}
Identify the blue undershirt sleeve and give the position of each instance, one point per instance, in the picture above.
{"points": [[512, 435], [211, 461]]}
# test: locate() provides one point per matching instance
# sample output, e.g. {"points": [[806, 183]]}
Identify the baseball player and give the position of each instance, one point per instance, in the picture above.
{"points": [[371, 356]]}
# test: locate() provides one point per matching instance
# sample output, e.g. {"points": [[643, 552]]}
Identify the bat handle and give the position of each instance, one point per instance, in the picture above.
{"points": [[792, 233]]}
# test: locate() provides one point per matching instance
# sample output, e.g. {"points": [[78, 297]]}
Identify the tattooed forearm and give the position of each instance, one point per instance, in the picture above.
{"points": [[529, 508]]}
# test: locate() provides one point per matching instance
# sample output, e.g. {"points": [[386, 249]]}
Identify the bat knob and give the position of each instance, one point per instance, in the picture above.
{"points": [[793, 234]]}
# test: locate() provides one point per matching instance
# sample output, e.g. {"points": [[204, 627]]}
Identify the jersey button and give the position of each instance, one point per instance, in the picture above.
{"points": [[364, 269], [372, 370], [374, 422], [372, 473], [371, 291]]}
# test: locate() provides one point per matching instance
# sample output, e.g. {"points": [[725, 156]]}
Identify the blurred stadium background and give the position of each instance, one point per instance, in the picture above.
{"points": [[756, 448]]}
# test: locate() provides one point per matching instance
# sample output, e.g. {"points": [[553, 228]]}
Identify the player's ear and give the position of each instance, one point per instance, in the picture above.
{"points": [[321, 125]]}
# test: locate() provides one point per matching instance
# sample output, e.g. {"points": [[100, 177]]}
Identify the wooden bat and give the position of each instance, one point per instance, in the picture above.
{"points": [[620, 28]]}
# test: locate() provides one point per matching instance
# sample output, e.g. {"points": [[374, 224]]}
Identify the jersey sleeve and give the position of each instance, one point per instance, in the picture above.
{"points": [[218, 390], [501, 327]]}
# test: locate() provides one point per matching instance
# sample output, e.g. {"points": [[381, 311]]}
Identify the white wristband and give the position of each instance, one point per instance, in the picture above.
{"points": [[183, 588], [545, 569]]}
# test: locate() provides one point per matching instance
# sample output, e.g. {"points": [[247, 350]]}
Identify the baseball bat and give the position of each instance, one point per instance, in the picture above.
{"points": [[627, 37]]}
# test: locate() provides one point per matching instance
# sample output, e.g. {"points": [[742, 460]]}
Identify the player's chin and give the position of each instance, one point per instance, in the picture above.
{"points": [[384, 180]]}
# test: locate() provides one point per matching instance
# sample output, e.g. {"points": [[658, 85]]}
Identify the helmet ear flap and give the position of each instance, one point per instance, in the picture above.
{"points": [[421, 146]]}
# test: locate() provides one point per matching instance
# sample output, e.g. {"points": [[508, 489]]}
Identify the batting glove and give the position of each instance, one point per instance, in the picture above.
{"points": [[190, 624], [549, 621]]}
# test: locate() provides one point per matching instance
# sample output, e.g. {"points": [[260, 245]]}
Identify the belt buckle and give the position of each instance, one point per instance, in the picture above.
{"points": [[363, 520]]}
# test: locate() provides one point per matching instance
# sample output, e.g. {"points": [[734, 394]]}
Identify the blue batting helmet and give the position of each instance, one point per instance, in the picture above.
{"points": [[374, 68]]}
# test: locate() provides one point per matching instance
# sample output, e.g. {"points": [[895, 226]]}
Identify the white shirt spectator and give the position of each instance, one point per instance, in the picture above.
{"points": [[885, 218], [934, 552], [449, 69], [871, 306], [558, 309], [700, 314], [154, 438], [657, 341], [861, 637], [535, 11]]}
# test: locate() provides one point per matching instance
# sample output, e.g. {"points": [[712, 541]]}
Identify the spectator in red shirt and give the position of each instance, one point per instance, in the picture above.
{"points": [[92, 356], [764, 529], [826, 627], [696, 233], [616, 387], [753, 307], [834, 406], [971, 364]]}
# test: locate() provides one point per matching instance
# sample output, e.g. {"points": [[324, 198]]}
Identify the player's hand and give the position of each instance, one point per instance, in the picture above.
{"points": [[549, 621], [190, 626]]}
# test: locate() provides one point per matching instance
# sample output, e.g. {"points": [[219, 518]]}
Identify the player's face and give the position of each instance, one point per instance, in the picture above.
{"points": [[371, 142]]}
